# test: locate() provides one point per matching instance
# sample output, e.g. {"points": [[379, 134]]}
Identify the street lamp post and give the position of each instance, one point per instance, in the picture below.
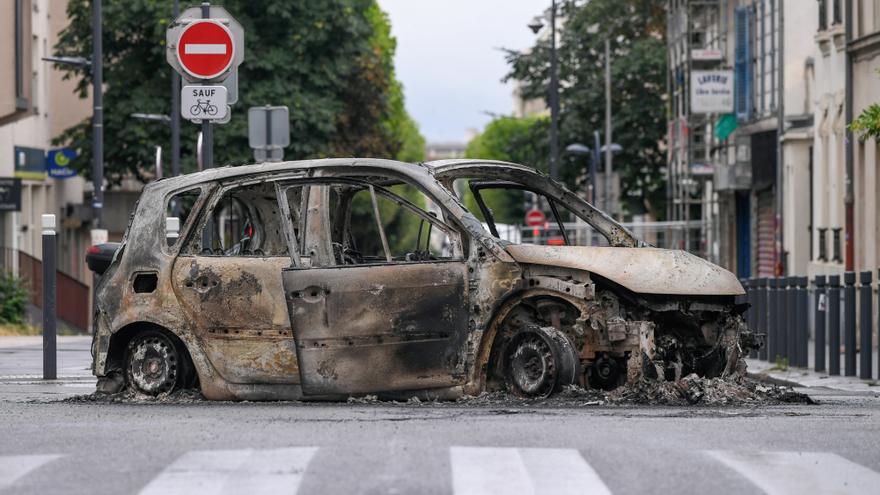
{"points": [[175, 110], [536, 26], [97, 115]]}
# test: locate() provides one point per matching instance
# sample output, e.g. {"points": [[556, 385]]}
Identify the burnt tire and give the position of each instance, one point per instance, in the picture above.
{"points": [[539, 361], [157, 363]]}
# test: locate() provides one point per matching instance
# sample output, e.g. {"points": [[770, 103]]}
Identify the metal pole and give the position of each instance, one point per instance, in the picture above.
{"points": [[49, 323], [849, 197], [834, 325], [554, 97], [773, 320], [865, 325], [608, 153], [207, 128], [97, 115], [780, 151], [849, 323], [761, 310], [819, 323], [175, 109], [594, 166], [802, 322]]}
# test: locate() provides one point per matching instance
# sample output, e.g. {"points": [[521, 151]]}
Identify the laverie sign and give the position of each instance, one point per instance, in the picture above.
{"points": [[711, 91]]}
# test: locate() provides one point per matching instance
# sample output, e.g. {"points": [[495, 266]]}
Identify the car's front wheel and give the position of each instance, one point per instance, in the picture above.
{"points": [[539, 361], [155, 364]]}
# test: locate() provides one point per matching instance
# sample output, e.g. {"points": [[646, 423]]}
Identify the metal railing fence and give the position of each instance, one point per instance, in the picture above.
{"points": [[827, 323]]}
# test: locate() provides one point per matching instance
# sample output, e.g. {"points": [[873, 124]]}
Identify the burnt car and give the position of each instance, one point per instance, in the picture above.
{"points": [[338, 277]]}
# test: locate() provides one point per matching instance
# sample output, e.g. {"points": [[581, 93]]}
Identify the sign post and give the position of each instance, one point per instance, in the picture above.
{"points": [[268, 132], [205, 45]]}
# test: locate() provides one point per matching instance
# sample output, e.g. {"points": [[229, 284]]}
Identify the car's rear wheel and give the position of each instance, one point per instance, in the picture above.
{"points": [[155, 364], [539, 361]]}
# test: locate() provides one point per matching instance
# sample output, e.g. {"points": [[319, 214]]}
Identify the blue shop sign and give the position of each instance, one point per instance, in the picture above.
{"points": [[58, 163]]}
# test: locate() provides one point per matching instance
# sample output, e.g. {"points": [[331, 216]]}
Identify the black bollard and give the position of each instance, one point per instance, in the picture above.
{"points": [[819, 323], [772, 310], [802, 333], [791, 320], [849, 324], [50, 354], [780, 318], [834, 325], [761, 314], [866, 325]]}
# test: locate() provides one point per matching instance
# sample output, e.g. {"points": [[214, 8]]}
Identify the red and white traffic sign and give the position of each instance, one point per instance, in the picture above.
{"points": [[205, 49], [535, 218]]}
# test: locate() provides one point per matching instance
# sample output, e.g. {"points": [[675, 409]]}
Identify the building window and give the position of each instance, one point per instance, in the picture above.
{"points": [[837, 16], [743, 64], [823, 15]]}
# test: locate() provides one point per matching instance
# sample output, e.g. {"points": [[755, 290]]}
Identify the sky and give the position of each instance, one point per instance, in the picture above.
{"points": [[449, 62]]}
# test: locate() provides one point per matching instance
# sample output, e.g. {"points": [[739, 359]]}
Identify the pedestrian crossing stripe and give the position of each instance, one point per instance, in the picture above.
{"points": [[793, 473], [486, 470], [13, 467], [474, 471], [234, 471]]}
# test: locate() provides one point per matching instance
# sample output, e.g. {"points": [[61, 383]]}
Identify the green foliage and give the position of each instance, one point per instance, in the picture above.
{"points": [[511, 139], [330, 62], [867, 124], [13, 298], [401, 225], [636, 29]]}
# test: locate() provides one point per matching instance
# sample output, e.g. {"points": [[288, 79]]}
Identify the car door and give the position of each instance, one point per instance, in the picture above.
{"points": [[227, 281], [369, 323]]}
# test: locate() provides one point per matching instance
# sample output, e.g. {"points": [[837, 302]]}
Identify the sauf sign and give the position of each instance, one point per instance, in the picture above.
{"points": [[711, 91]]}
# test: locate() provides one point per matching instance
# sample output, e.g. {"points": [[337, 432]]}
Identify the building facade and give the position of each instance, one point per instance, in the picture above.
{"points": [[36, 105], [724, 153]]}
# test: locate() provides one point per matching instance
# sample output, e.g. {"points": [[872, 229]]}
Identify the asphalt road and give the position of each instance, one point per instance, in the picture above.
{"points": [[52, 446]]}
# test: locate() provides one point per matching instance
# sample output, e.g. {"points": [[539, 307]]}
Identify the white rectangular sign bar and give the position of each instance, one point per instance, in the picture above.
{"points": [[199, 103], [204, 49]]}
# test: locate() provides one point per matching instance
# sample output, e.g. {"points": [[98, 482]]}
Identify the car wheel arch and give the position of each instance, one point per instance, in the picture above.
{"points": [[487, 353], [120, 339]]}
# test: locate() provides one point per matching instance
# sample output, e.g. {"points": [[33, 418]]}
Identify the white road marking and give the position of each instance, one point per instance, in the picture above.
{"points": [[204, 48], [484, 470], [13, 467], [234, 471], [780, 473]]}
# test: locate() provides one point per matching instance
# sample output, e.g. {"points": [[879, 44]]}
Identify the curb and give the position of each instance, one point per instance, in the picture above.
{"points": [[774, 381]]}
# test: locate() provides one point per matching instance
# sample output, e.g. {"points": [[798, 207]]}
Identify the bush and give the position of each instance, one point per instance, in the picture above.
{"points": [[13, 298]]}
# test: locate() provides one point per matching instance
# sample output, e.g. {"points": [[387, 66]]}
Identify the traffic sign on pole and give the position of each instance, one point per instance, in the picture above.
{"points": [[198, 103], [206, 44], [205, 49], [535, 218]]}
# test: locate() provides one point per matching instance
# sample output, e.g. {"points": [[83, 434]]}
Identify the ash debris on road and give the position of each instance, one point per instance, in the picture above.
{"points": [[692, 390]]}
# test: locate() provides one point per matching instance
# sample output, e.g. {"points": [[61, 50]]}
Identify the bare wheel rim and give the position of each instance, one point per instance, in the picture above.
{"points": [[153, 364], [531, 367]]}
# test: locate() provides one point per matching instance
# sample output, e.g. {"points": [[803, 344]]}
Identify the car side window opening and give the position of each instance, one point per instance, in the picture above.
{"points": [[243, 222], [181, 206], [369, 224], [501, 206]]}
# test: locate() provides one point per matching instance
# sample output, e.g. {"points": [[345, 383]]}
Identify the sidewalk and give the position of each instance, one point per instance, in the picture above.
{"points": [[803, 377]]}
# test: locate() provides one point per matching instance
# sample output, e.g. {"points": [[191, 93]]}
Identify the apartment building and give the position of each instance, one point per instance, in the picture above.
{"points": [[36, 105]]}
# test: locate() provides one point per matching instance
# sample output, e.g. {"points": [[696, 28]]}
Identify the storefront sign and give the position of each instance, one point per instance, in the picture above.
{"points": [[30, 163], [711, 91], [58, 163], [10, 194]]}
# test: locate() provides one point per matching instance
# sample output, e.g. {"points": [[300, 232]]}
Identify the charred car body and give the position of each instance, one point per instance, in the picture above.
{"points": [[340, 277]]}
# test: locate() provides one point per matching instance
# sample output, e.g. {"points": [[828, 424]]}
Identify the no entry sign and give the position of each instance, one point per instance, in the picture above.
{"points": [[535, 218], [205, 49]]}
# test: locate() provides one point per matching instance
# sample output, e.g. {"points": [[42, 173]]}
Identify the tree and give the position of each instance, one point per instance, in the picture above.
{"points": [[636, 29], [330, 62], [510, 139]]}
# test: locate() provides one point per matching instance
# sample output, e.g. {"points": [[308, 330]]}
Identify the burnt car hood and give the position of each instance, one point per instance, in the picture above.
{"points": [[641, 270]]}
